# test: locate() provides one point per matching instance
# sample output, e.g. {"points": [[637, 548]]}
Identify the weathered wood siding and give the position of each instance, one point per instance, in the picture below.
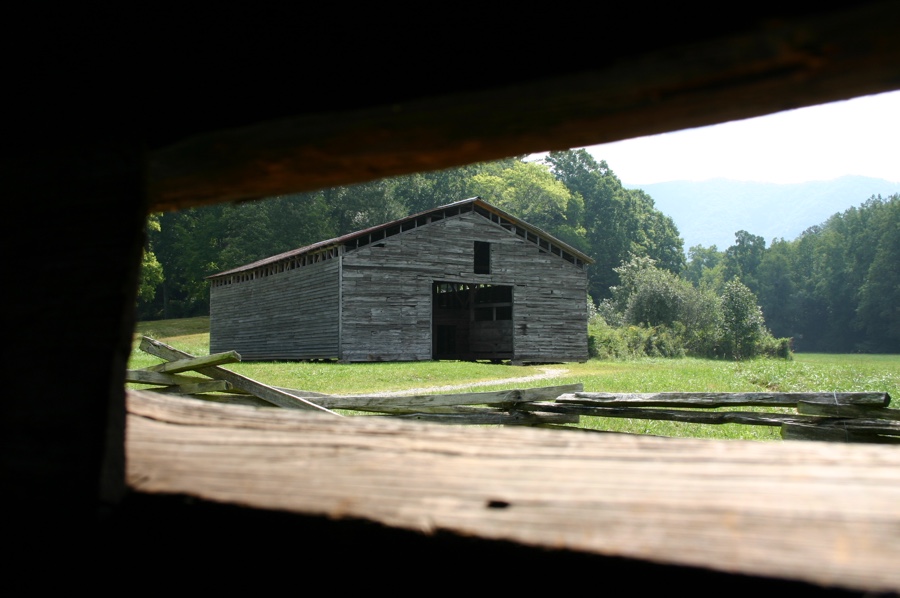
{"points": [[550, 312], [292, 314], [386, 295], [387, 311]]}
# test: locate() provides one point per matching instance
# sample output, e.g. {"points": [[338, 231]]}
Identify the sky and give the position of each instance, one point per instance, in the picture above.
{"points": [[860, 136]]}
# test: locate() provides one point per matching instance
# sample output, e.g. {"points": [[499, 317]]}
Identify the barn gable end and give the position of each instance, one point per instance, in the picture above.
{"points": [[463, 281]]}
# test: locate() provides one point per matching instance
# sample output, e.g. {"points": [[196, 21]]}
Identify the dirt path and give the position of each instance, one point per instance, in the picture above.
{"points": [[546, 373]]}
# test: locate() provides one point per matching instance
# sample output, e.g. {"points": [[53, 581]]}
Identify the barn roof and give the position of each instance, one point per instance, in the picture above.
{"points": [[473, 204]]}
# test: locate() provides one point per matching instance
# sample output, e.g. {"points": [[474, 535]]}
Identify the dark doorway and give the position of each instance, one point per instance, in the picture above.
{"points": [[472, 321], [445, 339]]}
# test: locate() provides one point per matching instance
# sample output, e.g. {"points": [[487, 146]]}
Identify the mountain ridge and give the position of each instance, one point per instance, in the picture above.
{"points": [[710, 212]]}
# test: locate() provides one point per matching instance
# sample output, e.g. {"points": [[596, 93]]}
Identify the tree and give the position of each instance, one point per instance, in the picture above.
{"points": [[703, 268], [743, 326], [526, 189], [254, 230], [743, 258], [878, 312], [659, 298], [617, 222], [777, 289], [151, 270], [701, 320], [189, 247], [630, 273], [652, 233], [192, 244], [655, 297], [356, 207], [423, 191]]}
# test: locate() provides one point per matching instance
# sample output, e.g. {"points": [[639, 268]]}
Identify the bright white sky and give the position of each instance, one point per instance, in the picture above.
{"points": [[820, 143]]}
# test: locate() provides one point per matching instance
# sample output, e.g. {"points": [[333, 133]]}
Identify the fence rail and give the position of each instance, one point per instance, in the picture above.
{"points": [[828, 416]]}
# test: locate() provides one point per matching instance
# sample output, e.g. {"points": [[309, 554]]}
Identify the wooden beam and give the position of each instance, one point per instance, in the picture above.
{"points": [[188, 364], [787, 64], [844, 410], [263, 391], [491, 417], [199, 387], [429, 402], [150, 377], [679, 415], [725, 399]]}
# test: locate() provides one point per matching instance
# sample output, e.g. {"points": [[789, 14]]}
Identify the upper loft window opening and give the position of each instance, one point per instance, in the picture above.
{"points": [[482, 257]]}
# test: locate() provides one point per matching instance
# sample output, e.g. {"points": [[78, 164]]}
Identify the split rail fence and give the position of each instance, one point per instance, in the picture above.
{"points": [[827, 416]]}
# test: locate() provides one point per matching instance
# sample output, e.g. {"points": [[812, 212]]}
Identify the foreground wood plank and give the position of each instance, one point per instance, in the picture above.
{"points": [[824, 513]]}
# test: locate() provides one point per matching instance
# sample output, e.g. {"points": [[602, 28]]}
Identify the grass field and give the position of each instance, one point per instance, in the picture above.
{"points": [[807, 372]]}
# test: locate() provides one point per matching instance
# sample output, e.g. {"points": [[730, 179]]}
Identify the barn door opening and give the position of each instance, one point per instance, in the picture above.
{"points": [[472, 321]]}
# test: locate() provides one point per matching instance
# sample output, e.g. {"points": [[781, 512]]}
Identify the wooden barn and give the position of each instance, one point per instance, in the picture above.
{"points": [[461, 281]]}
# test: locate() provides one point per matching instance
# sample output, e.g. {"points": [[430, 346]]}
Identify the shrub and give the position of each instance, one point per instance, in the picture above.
{"points": [[776, 347], [630, 342], [605, 341]]}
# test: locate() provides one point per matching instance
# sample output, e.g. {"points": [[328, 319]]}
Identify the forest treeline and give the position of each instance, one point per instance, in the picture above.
{"points": [[834, 288]]}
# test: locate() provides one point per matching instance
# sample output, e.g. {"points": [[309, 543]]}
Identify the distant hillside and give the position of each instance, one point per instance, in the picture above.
{"points": [[711, 212]]}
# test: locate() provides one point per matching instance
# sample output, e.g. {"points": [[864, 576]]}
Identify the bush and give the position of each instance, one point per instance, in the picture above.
{"points": [[776, 347], [605, 341], [655, 313], [630, 342]]}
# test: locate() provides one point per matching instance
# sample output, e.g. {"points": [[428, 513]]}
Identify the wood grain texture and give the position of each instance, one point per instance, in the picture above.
{"points": [[822, 513]]}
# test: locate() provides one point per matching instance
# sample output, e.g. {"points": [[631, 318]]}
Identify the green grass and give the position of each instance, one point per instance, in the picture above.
{"points": [[807, 372]]}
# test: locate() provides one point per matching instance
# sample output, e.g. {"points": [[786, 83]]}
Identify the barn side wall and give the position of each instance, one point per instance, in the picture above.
{"points": [[386, 293], [550, 313], [293, 314]]}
